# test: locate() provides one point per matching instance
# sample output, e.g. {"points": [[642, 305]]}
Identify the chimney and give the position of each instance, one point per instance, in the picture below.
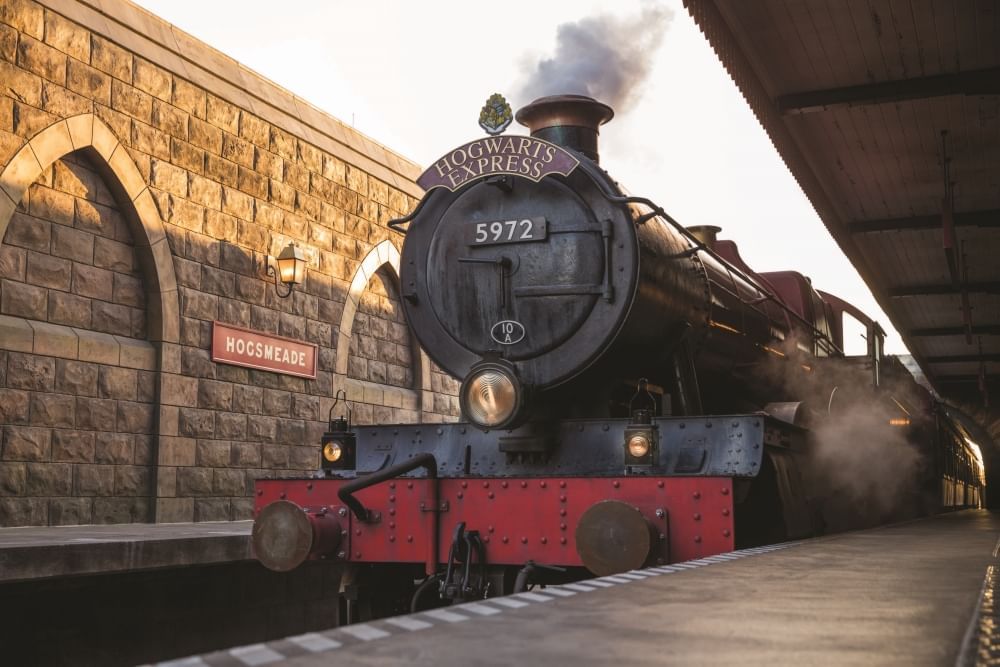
{"points": [[707, 234], [570, 121]]}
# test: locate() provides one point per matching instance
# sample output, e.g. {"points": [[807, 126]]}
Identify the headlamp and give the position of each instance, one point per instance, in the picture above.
{"points": [[332, 451], [638, 446], [491, 395]]}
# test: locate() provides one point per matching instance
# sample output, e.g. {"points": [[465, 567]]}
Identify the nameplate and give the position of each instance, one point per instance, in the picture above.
{"points": [[512, 155], [263, 351]]}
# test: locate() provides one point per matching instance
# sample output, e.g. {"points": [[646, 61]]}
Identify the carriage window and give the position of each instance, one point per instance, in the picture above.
{"points": [[855, 337]]}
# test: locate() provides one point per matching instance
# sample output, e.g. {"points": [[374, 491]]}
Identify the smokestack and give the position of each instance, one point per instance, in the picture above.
{"points": [[707, 234], [570, 121]]}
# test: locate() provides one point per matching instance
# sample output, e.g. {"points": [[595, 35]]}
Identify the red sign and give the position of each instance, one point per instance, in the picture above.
{"points": [[512, 154], [255, 349]]}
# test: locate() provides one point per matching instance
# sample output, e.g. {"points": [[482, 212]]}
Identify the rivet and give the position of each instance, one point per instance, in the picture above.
{"points": [[486, 538], [342, 511], [616, 483], [392, 538], [465, 485], [283, 495], [460, 495], [490, 495], [392, 498], [357, 554], [309, 486], [503, 485], [562, 526], [545, 540], [409, 538], [562, 512], [524, 485], [505, 539], [392, 524], [409, 485], [260, 492], [697, 538], [725, 532], [696, 495], [659, 484], [725, 512], [542, 484], [562, 540], [605, 427], [341, 554], [524, 540], [697, 516], [725, 490], [357, 531], [562, 485], [562, 498], [392, 511], [489, 528], [392, 485], [486, 485]]}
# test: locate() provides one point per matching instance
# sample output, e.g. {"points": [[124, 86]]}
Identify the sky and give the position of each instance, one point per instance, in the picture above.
{"points": [[414, 75]]}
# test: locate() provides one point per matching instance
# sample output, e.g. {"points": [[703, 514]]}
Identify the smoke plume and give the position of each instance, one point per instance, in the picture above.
{"points": [[606, 57]]}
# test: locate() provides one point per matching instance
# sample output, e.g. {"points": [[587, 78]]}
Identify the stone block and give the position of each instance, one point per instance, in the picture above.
{"points": [[28, 232], [94, 480], [97, 347], [212, 453], [12, 479], [16, 334], [73, 244], [73, 446], [274, 456], [199, 305], [215, 395], [248, 399], [128, 291], [111, 59], [95, 413], [41, 59], [305, 407], [221, 170], [23, 84], [276, 403], [196, 423], [48, 204], [205, 136], [23, 300], [304, 458], [177, 451], [27, 371], [170, 119], [244, 455], [219, 225], [196, 362], [218, 281], [237, 203], [70, 511], [146, 389], [48, 479], [69, 309], [87, 81], [119, 383], [194, 481], [53, 410], [114, 448], [229, 482], [13, 262], [230, 425], [291, 431], [136, 353], [205, 192], [150, 141], [60, 102], [47, 271], [111, 318], [55, 340], [235, 312], [112, 510], [134, 417], [152, 79], [13, 406], [166, 176], [212, 509], [133, 481], [75, 377], [262, 429], [113, 255], [253, 236], [23, 511], [187, 155], [67, 37], [174, 510], [188, 272], [236, 259]]}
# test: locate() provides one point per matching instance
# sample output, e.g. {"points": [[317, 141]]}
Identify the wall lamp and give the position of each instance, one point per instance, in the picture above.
{"points": [[291, 269]]}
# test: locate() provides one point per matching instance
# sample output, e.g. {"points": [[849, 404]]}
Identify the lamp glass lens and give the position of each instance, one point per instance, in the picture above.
{"points": [[491, 397], [638, 446], [332, 451]]}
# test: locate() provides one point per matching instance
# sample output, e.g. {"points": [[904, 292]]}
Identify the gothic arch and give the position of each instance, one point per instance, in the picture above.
{"points": [[383, 255], [89, 133]]}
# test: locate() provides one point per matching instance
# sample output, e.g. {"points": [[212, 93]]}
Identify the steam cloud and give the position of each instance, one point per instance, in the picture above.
{"points": [[605, 57]]}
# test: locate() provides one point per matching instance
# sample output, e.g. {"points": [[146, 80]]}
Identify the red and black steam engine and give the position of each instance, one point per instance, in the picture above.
{"points": [[632, 392]]}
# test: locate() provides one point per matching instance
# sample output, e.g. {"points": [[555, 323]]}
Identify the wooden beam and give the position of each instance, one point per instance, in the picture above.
{"points": [[962, 358], [976, 82], [983, 330], [989, 218], [935, 290]]}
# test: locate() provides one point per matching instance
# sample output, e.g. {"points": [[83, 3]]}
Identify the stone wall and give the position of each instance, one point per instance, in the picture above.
{"points": [[145, 181]]}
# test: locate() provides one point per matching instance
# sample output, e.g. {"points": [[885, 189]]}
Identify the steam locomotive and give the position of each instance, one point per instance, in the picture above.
{"points": [[633, 393]]}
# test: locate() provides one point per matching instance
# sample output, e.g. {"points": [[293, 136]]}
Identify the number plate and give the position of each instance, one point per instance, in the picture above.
{"points": [[505, 231]]}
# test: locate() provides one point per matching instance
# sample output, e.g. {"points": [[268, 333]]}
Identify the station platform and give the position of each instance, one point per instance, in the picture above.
{"points": [[41, 552], [916, 593]]}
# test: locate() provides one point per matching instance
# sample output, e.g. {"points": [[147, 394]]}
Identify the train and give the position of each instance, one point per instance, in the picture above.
{"points": [[632, 393]]}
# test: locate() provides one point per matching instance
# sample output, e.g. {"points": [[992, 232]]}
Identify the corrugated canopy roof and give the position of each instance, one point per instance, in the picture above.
{"points": [[888, 114]]}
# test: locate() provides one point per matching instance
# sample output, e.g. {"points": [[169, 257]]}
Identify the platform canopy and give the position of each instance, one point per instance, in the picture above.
{"points": [[888, 115]]}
